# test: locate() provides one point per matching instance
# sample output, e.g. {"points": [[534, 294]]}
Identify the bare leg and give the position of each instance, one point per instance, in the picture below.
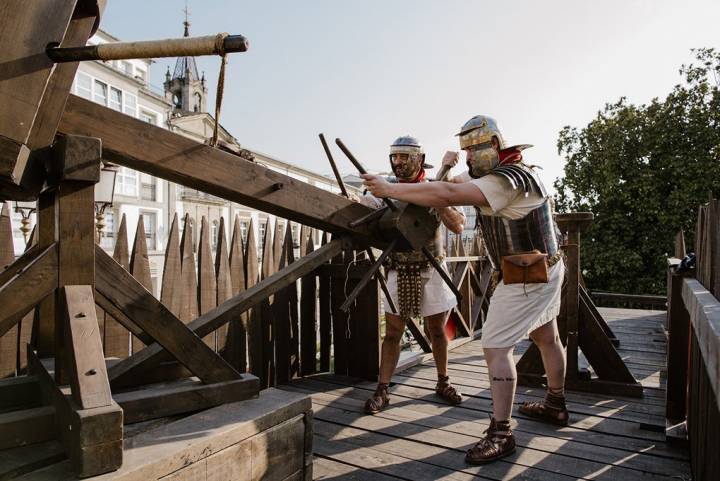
{"points": [[394, 327], [435, 329], [547, 339], [503, 379], [552, 409]]}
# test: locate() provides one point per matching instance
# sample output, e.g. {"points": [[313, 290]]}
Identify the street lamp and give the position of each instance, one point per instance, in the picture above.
{"points": [[104, 193], [25, 208]]}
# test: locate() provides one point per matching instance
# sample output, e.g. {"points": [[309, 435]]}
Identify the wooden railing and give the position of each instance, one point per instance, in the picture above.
{"points": [[693, 386], [299, 331], [629, 301]]}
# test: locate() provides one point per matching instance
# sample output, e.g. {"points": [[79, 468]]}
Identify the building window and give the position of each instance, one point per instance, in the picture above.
{"points": [[100, 92], [108, 233], [261, 231], [148, 187], [148, 117], [198, 102], [214, 234], [83, 86], [130, 104], [126, 67], [244, 231], [115, 102], [141, 75], [126, 182], [294, 228], [150, 222]]}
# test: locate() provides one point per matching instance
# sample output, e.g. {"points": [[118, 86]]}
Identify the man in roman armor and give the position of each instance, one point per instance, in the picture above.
{"points": [[414, 285], [515, 217]]}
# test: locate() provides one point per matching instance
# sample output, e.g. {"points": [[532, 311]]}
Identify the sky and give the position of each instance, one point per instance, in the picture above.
{"points": [[370, 71]]}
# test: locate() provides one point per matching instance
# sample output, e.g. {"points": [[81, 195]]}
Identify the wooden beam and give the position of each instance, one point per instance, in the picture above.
{"points": [[30, 284], [155, 402], [35, 91], [27, 426], [232, 308], [135, 144], [88, 376], [123, 321], [128, 295]]}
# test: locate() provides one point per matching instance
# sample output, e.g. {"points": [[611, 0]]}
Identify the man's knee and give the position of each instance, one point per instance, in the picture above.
{"points": [[393, 332], [435, 327], [545, 338]]}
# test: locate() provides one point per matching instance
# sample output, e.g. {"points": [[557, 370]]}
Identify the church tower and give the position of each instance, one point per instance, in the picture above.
{"points": [[185, 88]]}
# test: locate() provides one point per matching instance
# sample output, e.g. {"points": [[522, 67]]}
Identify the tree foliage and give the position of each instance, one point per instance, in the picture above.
{"points": [[643, 170]]}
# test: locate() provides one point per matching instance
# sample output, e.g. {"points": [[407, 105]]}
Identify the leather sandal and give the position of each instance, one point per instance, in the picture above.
{"points": [[498, 442], [379, 400], [551, 410], [446, 390]]}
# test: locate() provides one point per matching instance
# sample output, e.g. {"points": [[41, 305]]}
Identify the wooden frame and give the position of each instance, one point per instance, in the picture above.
{"points": [[582, 328]]}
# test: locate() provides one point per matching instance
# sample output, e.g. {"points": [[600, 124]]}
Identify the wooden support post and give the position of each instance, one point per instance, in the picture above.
{"points": [[282, 316], [324, 315], [88, 375], [339, 318], [308, 316], [572, 270], [92, 438], [44, 324], [79, 158], [364, 342], [678, 355]]}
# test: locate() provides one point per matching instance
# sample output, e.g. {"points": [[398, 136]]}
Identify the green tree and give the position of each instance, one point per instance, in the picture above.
{"points": [[643, 170]]}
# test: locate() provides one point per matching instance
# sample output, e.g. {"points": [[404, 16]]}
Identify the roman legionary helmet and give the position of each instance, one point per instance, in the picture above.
{"points": [[415, 157], [476, 136]]}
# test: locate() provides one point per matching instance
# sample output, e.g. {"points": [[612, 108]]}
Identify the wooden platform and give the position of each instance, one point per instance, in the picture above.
{"points": [[422, 438]]}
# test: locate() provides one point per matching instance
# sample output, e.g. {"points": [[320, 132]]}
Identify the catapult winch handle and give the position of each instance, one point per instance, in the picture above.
{"points": [[361, 169], [219, 44]]}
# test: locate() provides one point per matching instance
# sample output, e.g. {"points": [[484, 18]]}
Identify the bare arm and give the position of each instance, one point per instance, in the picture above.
{"points": [[428, 194], [453, 219]]}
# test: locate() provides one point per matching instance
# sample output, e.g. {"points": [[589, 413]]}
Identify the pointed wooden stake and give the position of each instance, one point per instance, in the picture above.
{"points": [[140, 268], [116, 339], [207, 285], [222, 280], [170, 293], [188, 275]]}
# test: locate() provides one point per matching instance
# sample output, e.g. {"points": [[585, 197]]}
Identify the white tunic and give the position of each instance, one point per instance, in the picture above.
{"points": [[516, 310]]}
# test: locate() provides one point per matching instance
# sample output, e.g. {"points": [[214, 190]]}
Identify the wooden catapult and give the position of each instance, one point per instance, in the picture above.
{"points": [[51, 148]]}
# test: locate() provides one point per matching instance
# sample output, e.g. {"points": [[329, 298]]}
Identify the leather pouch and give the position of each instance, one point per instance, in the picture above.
{"points": [[525, 268]]}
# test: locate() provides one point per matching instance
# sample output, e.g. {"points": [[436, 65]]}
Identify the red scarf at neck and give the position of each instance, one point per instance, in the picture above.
{"points": [[511, 155], [419, 178]]}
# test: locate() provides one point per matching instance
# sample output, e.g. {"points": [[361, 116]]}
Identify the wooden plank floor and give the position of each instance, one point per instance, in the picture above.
{"points": [[419, 437]]}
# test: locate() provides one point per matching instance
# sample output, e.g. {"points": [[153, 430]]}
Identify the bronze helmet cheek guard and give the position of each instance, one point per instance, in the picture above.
{"points": [[481, 161]]}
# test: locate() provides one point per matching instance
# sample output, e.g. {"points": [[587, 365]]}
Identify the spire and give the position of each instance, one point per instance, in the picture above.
{"points": [[186, 22], [185, 67]]}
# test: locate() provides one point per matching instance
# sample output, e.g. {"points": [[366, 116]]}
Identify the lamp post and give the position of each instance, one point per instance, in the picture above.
{"points": [[104, 193], [25, 209]]}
